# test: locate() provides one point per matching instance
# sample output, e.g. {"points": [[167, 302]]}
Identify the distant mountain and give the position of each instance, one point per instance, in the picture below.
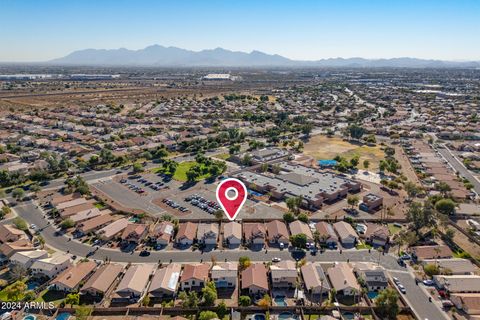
{"points": [[161, 56]]}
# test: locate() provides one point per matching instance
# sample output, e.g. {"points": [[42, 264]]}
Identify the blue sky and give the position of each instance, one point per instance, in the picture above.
{"points": [[298, 29]]}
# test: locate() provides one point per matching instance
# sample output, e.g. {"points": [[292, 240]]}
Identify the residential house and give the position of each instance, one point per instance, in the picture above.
{"points": [[421, 253], [468, 303], [186, 233], [70, 279], [314, 278], [300, 227], [377, 235], [52, 266], [165, 282], [371, 202], [207, 234], [93, 224], [9, 233], [373, 277], [347, 236], [343, 280], [112, 229], [163, 232], [277, 233], [134, 233], [458, 283], [224, 274], [283, 274], [254, 279], [27, 258], [8, 249], [232, 234], [133, 284], [453, 266], [327, 234], [254, 233], [194, 276], [102, 281]]}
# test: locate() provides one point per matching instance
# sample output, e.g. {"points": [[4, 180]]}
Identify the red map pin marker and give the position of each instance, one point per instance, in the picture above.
{"points": [[231, 194]]}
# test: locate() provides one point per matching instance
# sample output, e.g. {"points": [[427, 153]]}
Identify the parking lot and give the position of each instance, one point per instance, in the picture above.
{"points": [[158, 195]]}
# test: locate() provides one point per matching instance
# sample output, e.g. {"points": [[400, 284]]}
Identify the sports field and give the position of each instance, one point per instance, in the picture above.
{"points": [[321, 147]]}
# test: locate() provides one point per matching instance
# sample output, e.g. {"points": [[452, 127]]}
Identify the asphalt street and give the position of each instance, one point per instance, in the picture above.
{"points": [[458, 165], [417, 298]]}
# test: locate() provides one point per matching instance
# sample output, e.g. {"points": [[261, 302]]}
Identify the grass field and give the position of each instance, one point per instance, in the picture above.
{"points": [[393, 229], [183, 167], [321, 147]]}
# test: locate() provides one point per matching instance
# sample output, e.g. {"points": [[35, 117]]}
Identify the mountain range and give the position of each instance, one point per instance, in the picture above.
{"points": [[161, 56]]}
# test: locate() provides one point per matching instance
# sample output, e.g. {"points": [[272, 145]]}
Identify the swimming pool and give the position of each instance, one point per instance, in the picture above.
{"points": [[63, 316], [287, 316], [372, 295], [255, 193], [348, 316], [258, 316], [32, 285], [29, 317], [280, 301], [327, 163]]}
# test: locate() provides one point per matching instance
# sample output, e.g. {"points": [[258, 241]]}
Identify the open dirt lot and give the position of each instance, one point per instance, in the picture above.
{"points": [[322, 147]]}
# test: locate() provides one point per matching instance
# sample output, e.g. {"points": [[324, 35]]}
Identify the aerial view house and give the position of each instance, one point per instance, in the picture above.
{"points": [[207, 234], [27, 258], [283, 274], [165, 282], [421, 253], [8, 249], [102, 281], [343, 279], [371, 202], [9, 233], [254, 279], [300, 227], [347, 236], [186, 234], [52, 266], [163, 232], [194, 276], [70, 279], [112, 229], [224, 274], [453, 266], [232, 234], [277, 233], [377, 235], [458, 283], [134, 233], [327, 234], [373, 277], [314, 278], [133, 284], [254, 233], [93, 224]]}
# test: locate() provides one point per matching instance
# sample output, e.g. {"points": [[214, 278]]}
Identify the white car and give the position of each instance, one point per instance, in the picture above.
{"points": [[33, 227], [402, 288], [276, 259]]}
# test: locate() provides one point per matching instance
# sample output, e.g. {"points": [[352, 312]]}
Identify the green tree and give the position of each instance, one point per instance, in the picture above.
{"points": [[83, 312], [387, 304], [18, 193], [366, 163], [443, 188], [207, 315], [303, 217], [293, 204], [67, 224], [431, 269], [245, 301], [411, 189], [137, 167], [352, 201], [222, 309], [244, 262], [209, 293], [72, 299], [19, 223], [299, 240], [445, 206], [288, 217], [15, 291]]}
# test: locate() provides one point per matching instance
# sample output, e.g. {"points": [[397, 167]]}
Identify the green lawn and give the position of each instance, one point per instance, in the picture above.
{"points": [[183, 167], [3, 293], [393, 229], [363, 245], [223, 156], [50, 296]]}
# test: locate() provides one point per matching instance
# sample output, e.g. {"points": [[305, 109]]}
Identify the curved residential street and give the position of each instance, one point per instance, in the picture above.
{"points": [[416, 295]]}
